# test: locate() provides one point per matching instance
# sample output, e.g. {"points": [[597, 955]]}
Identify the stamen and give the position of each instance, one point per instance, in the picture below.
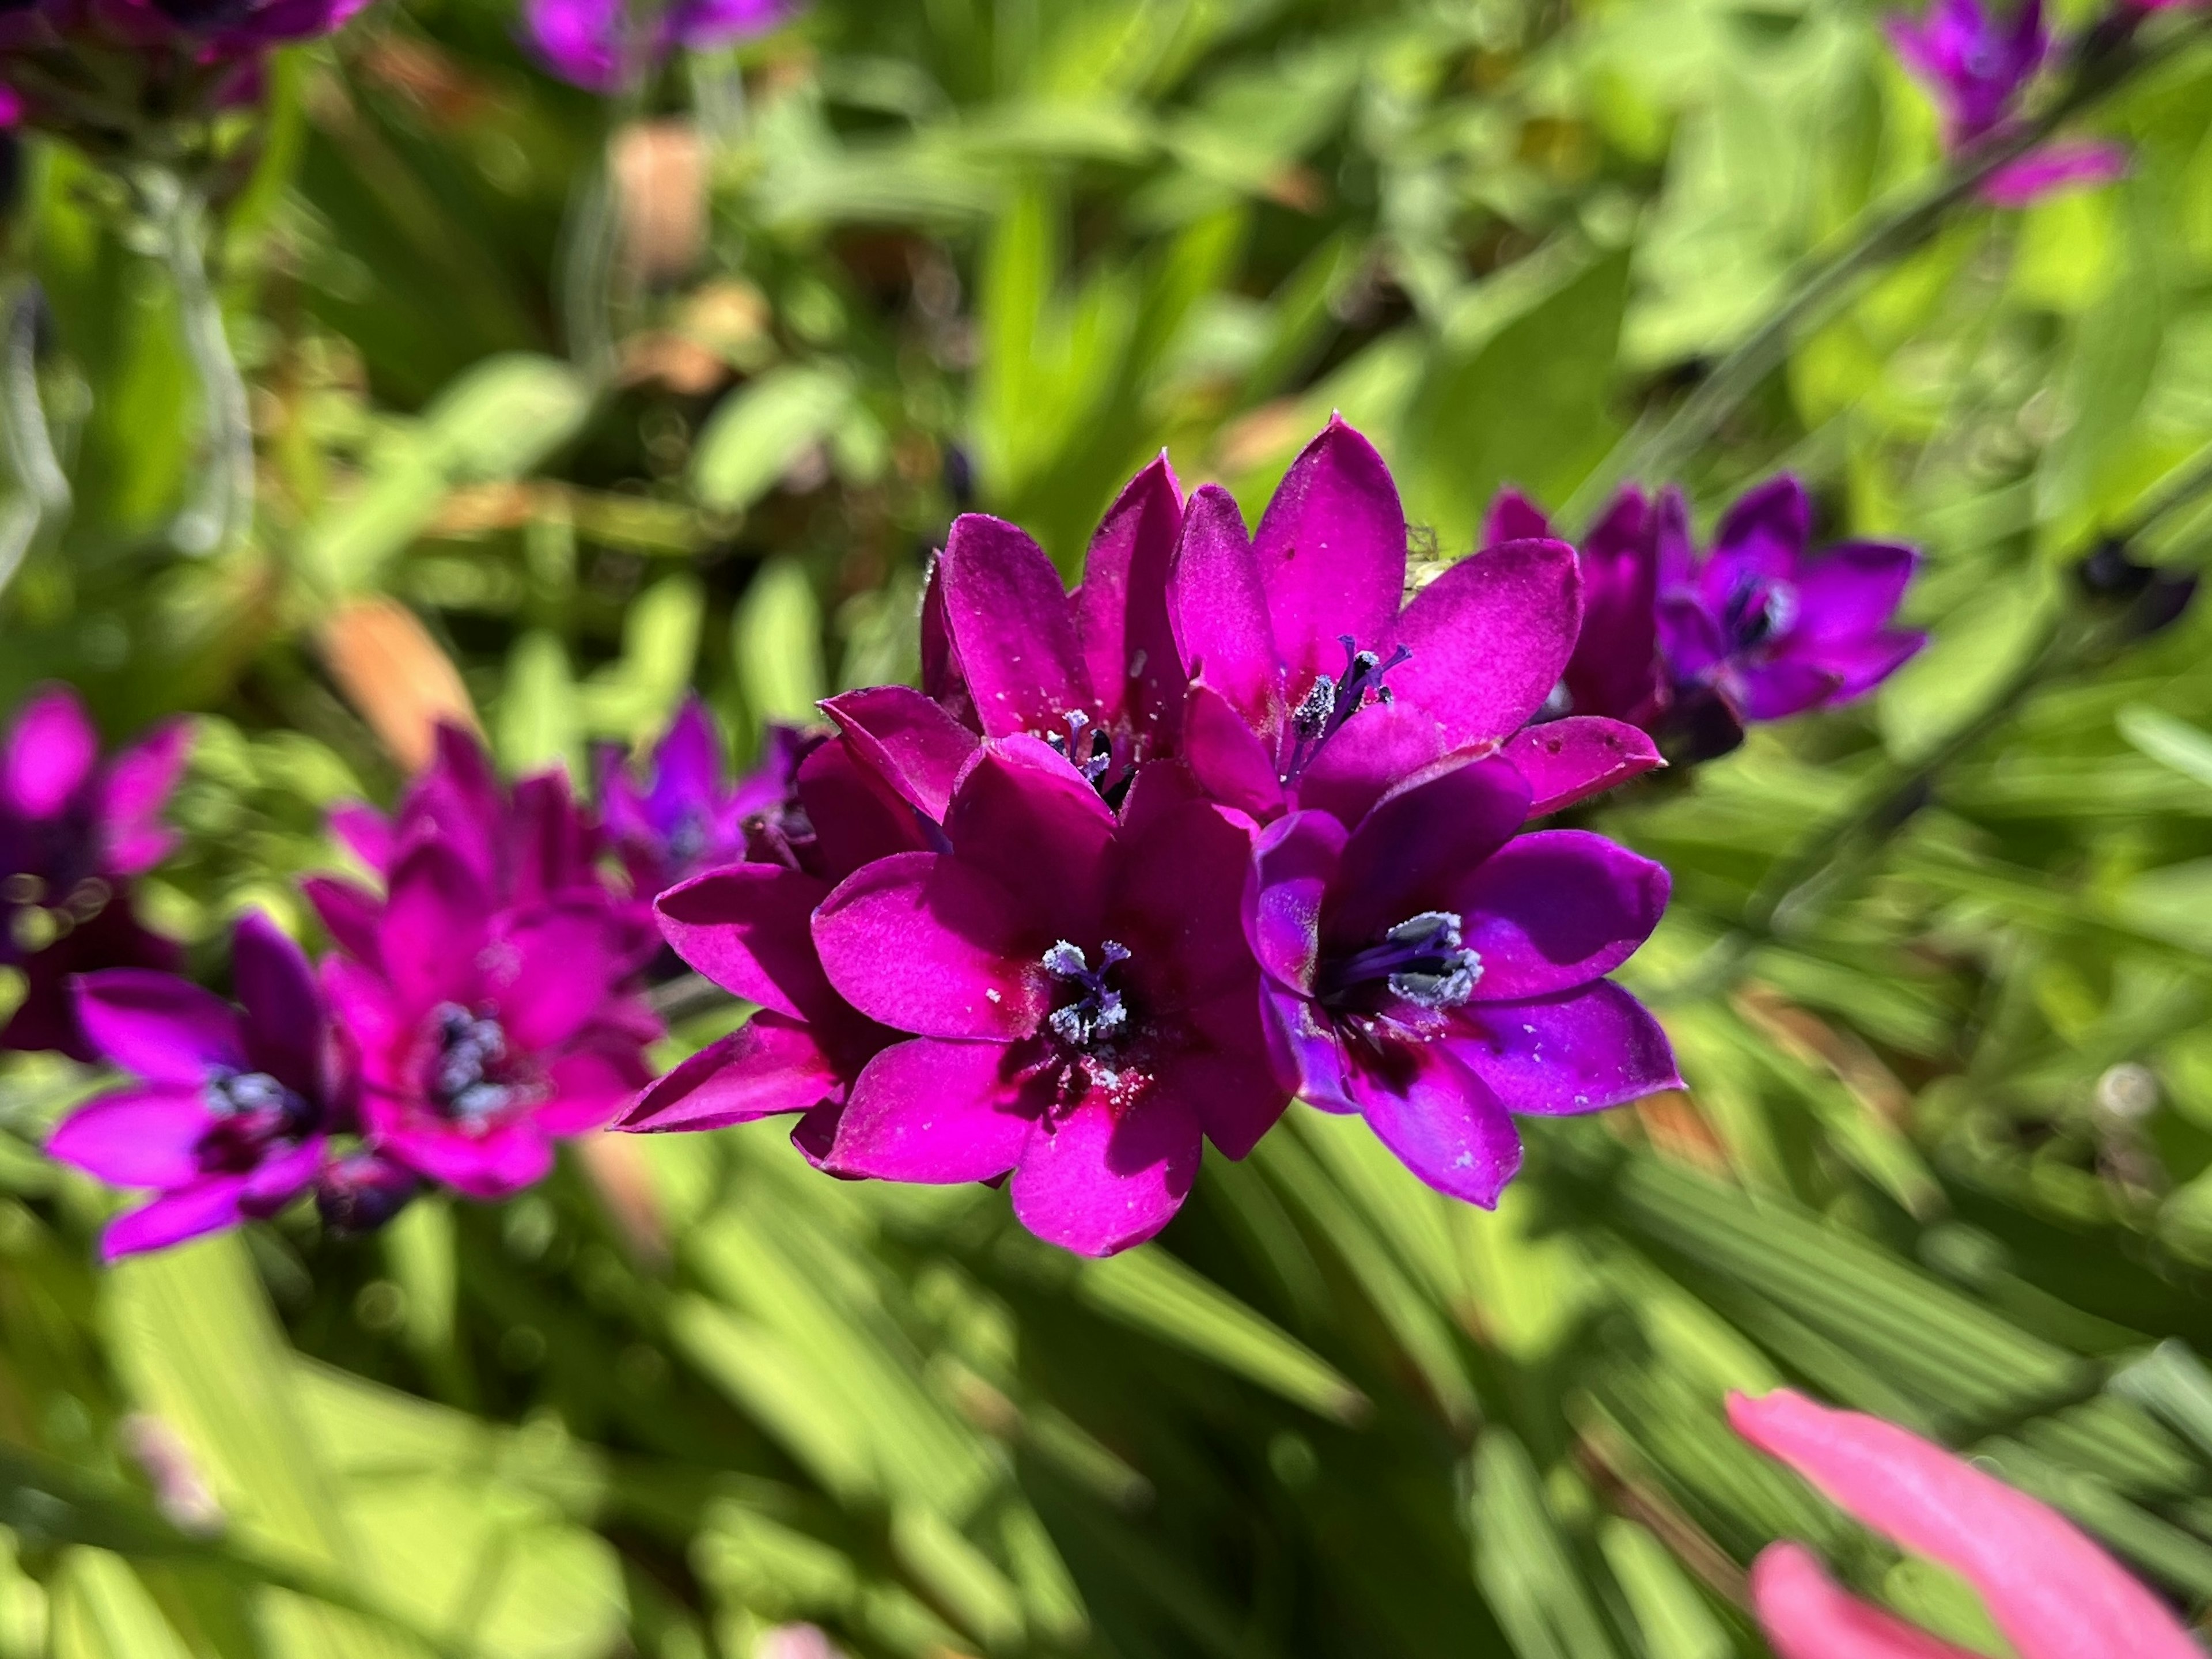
{"points": [[1329, 704], [1420, 960], [1096, 1016], [469, 1046], [1092, 766], [241, 1094], [1756, 610]]}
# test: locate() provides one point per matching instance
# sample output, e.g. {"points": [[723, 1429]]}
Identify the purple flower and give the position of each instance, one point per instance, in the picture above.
{"points": [[1309, 688], [230, 1117], [687, 816], [1614, 670], [484, 1032], [1082, 1006], [600, 45], [1435, 972], [1976, 65], [1770, 629], [72, 835]]}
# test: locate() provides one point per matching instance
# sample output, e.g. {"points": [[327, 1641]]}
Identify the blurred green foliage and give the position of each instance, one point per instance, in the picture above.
{"points": [[620, 398]]}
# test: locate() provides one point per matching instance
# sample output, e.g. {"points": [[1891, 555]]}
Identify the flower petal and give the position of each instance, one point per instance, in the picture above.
{"points": [[175, 1216], [1293, 862], [135, 1137], [688, 765], [857, 817], [459, 799], [1776, 690], [1010, 624], [908, 741], [132, 792], [1440, 1120], [1490, 638], [1237, 1097], [349, 912], [551, 969], [52, 750], [1852, 590], [1178, 891], [940, 1113], [285, 1025], [2053, 1593], [1220, 608], [1581, 1052], [1331, 552], [493, 1165], [1024, 818], [2054, 168], [1380, 747], [1412, 852], [1311, 1046], [928, 944], [770, 1065], [1553, 910], [1099, 1183], [364, 831], [1514, 517], [747, 926], [1570, 760], [1230, 761], [1805, 1616], [1856, 666], [164, 1029], [1121, 610], [1763, 534], [432, 926]]}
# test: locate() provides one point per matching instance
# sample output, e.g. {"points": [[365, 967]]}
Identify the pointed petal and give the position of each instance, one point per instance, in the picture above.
{"points": [[364, 830], [1490, 638], [1856, 666], [769, 1065], [1237, 1097], [942, 681], [2054, 168], [857, 817], [908, 741], [1441, 1121], [1380, 747], [552, 968], [940, 1113], [460, 799], [1010, 624], [1229, 760], [1805, 1616], [1570, 760], [164, 1029], [1025, 818], [135, 1137], [1763, 534], [348, 912], [1852, 590], [1551, 911], [132, 792], [2053, 1593], [1220, 609], [1776, 690], [432, 926], [1122, 609], [1178, 889], [688, 764], [747, 926], [1312, 1047], [51, 753], [550, 846], [1514, 517], [1581, 1052], [285, 1025], [1097, 1183], [1413, 852], [175, 1216], [927, 944], [1293, 863], [1331, 550]]}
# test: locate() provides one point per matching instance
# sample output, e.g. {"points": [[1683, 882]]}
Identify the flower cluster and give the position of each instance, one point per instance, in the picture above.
{"points": [[1689, 647], [1231, 823], [602, 45]]}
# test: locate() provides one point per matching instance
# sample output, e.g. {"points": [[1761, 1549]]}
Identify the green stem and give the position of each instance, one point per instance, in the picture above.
{"points": [[221, 510], [681, 998], [42, 500]]}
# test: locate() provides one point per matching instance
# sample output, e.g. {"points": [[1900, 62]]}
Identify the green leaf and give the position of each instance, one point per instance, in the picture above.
{"points": [[775, 640], [759, 430]]}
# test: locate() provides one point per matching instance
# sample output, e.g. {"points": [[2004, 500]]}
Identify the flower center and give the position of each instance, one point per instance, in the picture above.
{"points": [[1092, 758], [1093, 1016], [688, 839], [1330, 704], [251, 1111], [1759, 609], [242, 1094], [1420, 960], [470, 1048]]}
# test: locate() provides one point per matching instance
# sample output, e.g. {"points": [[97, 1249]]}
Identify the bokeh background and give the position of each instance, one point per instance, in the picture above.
{"points": [[564, 405]]}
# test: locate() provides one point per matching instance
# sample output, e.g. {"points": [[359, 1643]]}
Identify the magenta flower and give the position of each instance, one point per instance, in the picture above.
{"points": [[1435, 972], [1976, 65], [1081, 1008], [1770, 629], [1310, 688], [73, 833], [2053, 1593], [230, 1114], [687, 816], [484, 1032], [601, 46]]}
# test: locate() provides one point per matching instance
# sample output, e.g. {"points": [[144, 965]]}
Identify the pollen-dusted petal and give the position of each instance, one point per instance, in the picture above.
{"points": [[1011, 625], [856, 815], [1440, 1120], [1293, 862], [1026, 818], [1331, 552], [936, 1112], [1102, 1181], [769, 1065], [747, 926], [2053, 1593], [135, 1137], [1852, 590], [1805, 1616], [51, 753], [432, 925], [926, 943], [908, 741], [1219, 609], [205, 1207], [1570, 760], [1580, 1052], [1490, 638], [1312, 1047], [164, 1029], [135, 787], [1228, 759], [1122, 609], [285, 1025], [1514, 517], [1551, 911], [1412, 852]]}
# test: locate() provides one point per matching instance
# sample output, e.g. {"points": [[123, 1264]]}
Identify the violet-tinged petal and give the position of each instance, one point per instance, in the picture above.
{"points": [[1293, 862], [432, 926], [550, 849], [1776, 690], [281, 1175], [132, 792], [52, 750], [1689, 637], [1551, 911], [1514, 517], [1565, 761], [285, 1025], [365, 831], [1237, 1097], [1122, 618], [1331, 552], [1384, 744], [942, 681], [856, 815], [350, 914], [495, 1164], [687, 764], [551, 968], [1178, 885], [163, 1029], [1856, 666], [1219, 607], [1312, 1050], [591, 1086], [459, 799], [1677, 548], [1011, 623], [1413, 852], [1805, 1616], [705, 25], [746, 927], [1852, 589], [927, 944], [1026, 817], [580, 40], [1763, 534], [1490, 638], [935, 1112], [2053, 1593], [1582, 1051], [135, 1137], [1614, 670], [1230, 761], [206, 1207], [907, 740], [1440, 1120], [1099, 1183], [769, 1065]]}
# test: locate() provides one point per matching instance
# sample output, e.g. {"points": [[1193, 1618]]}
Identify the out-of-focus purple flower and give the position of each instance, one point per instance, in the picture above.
{"points": [[1769, 628], [687, 815], [1614, 670], [1082, 1008], [1310, 688], [603, 45], [358, 1193], [1977, 64], [73, 834], [1435, 972], [484, 1031], [233, 1106]]}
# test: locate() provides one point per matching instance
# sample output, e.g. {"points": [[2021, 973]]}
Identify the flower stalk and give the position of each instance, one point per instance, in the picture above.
{"points": [[220, 511]]}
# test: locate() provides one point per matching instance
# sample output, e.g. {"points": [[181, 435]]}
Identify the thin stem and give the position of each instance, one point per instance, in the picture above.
{"points": [[221, 510], [42, 500]]}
